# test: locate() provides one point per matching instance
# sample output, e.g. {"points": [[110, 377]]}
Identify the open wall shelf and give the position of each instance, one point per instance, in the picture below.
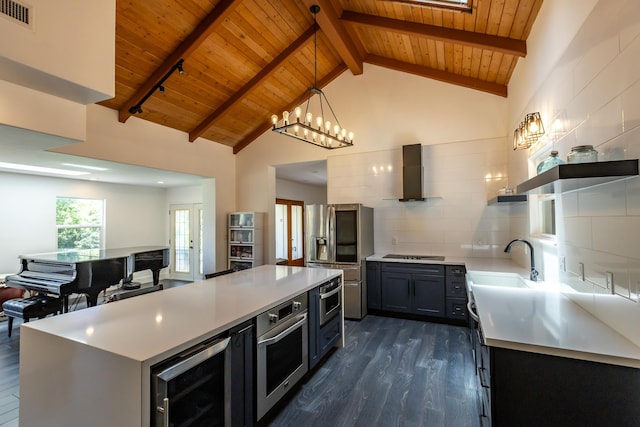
{"points": [[508, 198], [571, 177]]}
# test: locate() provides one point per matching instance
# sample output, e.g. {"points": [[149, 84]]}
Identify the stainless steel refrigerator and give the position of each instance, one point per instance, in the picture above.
{"points": [[341, 236]]}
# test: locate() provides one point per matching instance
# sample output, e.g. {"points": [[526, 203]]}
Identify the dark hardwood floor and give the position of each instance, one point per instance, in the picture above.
{"points": [[392, 372]]}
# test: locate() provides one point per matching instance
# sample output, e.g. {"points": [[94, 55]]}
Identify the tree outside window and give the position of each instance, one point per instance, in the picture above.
{"points": [[80, 223]]}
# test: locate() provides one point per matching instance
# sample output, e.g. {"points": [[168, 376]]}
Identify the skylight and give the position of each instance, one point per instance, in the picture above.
{"points": [[461, 5]]}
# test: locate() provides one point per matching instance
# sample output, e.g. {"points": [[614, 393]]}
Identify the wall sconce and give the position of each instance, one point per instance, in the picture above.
{"points": [[528, 132]]}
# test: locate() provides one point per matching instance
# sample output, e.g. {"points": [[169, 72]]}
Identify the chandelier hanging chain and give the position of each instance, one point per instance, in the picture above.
{"points": [[302, 128]]}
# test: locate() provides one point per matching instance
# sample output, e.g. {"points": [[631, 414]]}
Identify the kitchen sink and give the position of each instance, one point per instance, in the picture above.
{"points": [[416, 257], [495, 278]]}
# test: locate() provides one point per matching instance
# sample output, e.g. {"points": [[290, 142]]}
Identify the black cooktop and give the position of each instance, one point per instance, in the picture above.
{"points": [[416, 257]]}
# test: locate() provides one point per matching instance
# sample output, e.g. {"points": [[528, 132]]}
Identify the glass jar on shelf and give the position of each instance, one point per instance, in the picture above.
{"points": [[582, 154], [550, 162]]}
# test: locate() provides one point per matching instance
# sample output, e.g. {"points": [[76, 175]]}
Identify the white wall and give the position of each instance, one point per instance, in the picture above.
{"points": [[589, 95], [135, 216], [309, 194], [385, 109], [69, 52], [27, 109], [454, 221]]}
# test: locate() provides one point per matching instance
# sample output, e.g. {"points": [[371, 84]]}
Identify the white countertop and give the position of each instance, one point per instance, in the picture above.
{"points": [[153, 325], [548, 322]]}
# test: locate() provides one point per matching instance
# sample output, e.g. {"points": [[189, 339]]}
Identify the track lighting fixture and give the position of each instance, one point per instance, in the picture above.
{"points": [[137, 109]]}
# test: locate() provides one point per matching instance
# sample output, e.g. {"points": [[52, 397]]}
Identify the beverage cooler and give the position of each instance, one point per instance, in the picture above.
{"points": [[193, 388]]}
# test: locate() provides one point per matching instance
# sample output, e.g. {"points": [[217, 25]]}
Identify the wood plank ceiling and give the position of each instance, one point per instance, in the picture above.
{"points": [[245, 60]]}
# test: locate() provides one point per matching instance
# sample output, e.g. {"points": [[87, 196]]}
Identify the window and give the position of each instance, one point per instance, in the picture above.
{"points": [[543, 216], [80, 223]]}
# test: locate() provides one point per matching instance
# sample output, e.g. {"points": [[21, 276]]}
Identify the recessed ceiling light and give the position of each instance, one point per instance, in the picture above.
{"points": [[160, 182], [30, 168], [93, 168]]}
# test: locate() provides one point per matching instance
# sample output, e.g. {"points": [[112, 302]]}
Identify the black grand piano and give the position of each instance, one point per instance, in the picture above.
{"points": [[86, 271]]}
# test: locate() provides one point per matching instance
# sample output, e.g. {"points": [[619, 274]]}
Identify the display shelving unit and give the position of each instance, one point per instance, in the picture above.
{"points": [[245, 240]]}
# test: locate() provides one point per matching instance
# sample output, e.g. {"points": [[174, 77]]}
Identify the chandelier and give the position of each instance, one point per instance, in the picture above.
{"points": [[318, 130]]}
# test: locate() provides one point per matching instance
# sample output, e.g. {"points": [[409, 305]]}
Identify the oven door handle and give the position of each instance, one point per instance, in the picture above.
{"points": [[284, 333], [331, 293]]}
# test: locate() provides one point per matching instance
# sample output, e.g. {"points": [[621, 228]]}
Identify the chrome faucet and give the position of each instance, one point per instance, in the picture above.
{"points": [[534, 273]]}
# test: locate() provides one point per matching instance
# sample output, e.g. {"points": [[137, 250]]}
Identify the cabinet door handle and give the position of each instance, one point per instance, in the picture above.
{"points": [[242, 331], [164, 410]]}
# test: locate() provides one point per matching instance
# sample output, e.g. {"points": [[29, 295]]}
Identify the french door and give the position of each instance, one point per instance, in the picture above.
{"points": [[186, 241], [290, 231]]}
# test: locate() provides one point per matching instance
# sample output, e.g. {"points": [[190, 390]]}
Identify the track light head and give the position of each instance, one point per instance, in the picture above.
{"points": [[161, 88], [135, 109], [180, 69]]}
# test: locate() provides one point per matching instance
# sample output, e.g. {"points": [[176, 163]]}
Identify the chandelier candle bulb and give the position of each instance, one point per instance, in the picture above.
{"points": [[274, 120], [308, 118], [285, 117], [298, 112]]}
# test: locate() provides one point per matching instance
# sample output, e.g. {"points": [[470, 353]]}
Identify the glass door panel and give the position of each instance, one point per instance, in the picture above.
{"points": [[186, 242]]}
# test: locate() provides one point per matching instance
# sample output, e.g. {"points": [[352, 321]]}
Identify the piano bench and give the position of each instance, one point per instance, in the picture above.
{"points": [[28, 308]]}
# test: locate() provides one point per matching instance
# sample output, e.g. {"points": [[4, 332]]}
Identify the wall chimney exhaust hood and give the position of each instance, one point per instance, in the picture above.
{"points": [[412, 173]]}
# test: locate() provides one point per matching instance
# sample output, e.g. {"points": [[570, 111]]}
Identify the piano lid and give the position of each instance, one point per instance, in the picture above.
{"points": [[88, 255]]}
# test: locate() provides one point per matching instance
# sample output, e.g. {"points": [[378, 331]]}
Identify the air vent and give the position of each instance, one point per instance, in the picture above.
{"points": [[17, 12]]}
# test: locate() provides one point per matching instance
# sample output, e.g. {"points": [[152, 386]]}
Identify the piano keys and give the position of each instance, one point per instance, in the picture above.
{"points": [[86, 271]]}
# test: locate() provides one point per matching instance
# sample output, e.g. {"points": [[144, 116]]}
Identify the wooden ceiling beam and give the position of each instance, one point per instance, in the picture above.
{"points": [[483, 41], [334, 30], [204, 29], [254, 82], [267, 125], [443, 76]]}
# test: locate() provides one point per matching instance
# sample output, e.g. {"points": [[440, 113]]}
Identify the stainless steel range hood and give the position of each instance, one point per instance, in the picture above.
{"points": [[412, 173]]}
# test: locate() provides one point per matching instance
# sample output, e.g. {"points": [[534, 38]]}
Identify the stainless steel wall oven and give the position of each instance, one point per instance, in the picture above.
{"points": [[282, 351], [330, 300], [193, 388]]}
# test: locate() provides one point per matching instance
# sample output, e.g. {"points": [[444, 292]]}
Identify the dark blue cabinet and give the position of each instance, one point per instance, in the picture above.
{"points": [[396, 291], [428, 295], [314, 328], [242, 351], [413, 288], [374, 292]]}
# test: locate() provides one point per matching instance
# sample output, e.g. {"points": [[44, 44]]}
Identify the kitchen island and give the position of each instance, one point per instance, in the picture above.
{"points": [[92, 366]]}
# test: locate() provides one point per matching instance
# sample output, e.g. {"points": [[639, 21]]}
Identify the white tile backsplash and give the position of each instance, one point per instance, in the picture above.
{"points": [[603, 200], [456, 222], [594, 90]]}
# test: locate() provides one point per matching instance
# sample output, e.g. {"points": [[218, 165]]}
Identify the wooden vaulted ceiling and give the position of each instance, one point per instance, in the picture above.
{"points": [[245, 60]]}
